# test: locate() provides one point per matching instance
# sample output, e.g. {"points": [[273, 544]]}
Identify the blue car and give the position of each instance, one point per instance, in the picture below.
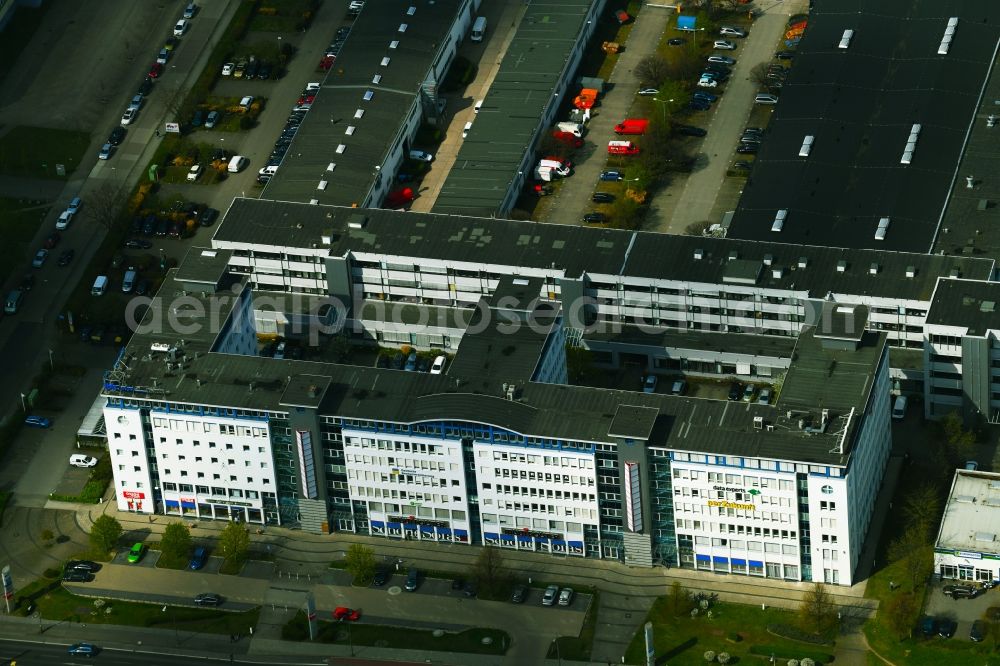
{"points": [[411, 362], [198, 558], [698, 105], [612, 175], [708, 97], [38, 422], [82, 649]]}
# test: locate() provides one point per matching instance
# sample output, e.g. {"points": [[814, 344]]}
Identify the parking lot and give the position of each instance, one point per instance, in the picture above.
{"points": [[962, 611]]}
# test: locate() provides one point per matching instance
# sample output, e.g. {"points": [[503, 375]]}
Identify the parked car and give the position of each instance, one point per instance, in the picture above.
{"points": [[648, 92], [747, 148], [566, 596], [649, 384], [550, 595], [105, 152], [734, 32], [764, 397], [155, 70], [83, 650], [227, 69], [138, 244], [344, 614], [181, 27], [136, 553], [743, 165], [765, 98], [80, 460], [705, 96], [194, 173], [946, 627], [198, 558], [83, 565], [381, 576], [38, 422], [688, 130], [676, 41], [735, 391], [411, 362], [74, 576], [723, 45], [208, 599], [749, 391], [978, 632], [189, 10], [707, 82], [27, 282], [40, 258], [595, 218], [519, 594], [163, 56], [698, 105], [412, 580], [438, 366], [246, 101], [960, 591], [678, 387], [421, 156], [722, 60], [612, 175], [52, 240], [602, 197], [784, 55]]}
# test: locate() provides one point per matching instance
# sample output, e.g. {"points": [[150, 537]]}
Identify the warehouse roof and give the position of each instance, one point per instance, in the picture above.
{"points": [[861, 104], [504, 129], [971, 521], [576, 251], [969, 304], [354, 122]]}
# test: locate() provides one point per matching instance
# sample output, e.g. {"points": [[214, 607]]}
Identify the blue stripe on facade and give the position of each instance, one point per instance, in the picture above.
{"points": [[703, 558], [378, 523]]}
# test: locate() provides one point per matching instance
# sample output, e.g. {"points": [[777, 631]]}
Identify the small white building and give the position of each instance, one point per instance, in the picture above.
{"points": [[968, 543]]}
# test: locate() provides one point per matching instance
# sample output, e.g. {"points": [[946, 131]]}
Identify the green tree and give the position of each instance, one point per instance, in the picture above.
{"points": [[913, 549], [817, 613], [360, 561], [176, 542], [901, 612], [678, 600], [959, 443], [105, 533], [234, 543], [922, 509], [490, 573]]}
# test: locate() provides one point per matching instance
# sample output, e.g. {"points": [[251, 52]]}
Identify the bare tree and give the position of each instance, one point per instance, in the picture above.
{"points": [[652, 70], [105, 204], [176, 102], [758, 74], [490, 573], [913, 549], [817, 611]]}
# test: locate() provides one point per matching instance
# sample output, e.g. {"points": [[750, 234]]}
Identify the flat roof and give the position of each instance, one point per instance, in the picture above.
{"points": [[861, 104], [971, 521], [203, 265], [332, 133], [504, 130], [579, 251], [769, 346], [972, 305], [821, 377]]}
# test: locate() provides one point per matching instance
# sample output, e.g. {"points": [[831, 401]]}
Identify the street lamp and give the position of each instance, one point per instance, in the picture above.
{"points": [[663, 108], [173, 617]]}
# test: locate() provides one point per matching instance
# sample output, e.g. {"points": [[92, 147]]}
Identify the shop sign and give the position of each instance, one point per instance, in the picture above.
{"points": [[732, 505], [968, 555], [133, 494]]}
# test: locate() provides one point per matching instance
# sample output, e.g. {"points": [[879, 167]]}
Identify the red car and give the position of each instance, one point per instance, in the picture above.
{"points": [[155, 70], [52, 240], [344, 614], [306, 99]]}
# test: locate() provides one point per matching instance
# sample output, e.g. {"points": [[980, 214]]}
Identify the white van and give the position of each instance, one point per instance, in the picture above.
{"points": [[13, 302], [268, 170], [100, 286], [128, 282], [899, 408], [478, 29], [557, 167], [237, 164], [576, 129]]}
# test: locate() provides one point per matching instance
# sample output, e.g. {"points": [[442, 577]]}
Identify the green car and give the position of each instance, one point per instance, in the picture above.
{"points": [[134, 555]]}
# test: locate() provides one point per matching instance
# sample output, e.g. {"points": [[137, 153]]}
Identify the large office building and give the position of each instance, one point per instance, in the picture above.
{"points": [[968, 542]]}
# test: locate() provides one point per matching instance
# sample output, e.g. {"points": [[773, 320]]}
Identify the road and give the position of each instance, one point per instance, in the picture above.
{"points": [[38, 653]]}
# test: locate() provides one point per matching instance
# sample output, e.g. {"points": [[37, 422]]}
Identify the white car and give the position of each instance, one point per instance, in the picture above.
{"points": [[105, 153], [421, 156], [478, 105], [721, 60], [227, 69], [734, 32], [707, 82], [723, 45], [193, 173], [438, 367], [465, 130], [79, 460], [129, 115], [64, 220], [246, 101], [648, 92], [181, 27], [765, 98]]}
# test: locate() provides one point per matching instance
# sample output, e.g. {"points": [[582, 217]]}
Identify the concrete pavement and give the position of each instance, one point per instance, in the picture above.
{"points": [[572, 198]]}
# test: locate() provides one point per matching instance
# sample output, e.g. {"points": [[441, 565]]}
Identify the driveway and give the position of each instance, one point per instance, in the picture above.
{"points": [[701, 191], [572, 198]]}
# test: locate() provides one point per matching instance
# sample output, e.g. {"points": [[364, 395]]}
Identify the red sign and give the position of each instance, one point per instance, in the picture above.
{"points": [[132, 494], [187, 500]]}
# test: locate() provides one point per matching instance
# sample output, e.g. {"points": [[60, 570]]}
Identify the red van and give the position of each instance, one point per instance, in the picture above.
{"points": [[632, 126], [622, 148]]}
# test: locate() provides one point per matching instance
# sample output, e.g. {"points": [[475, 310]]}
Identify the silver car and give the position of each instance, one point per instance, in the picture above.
{"points": [[549, 598], [566, 596]]}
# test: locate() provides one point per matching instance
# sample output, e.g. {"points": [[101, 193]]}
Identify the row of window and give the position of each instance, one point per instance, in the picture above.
{"points": [[557, 461], [392, 445], [178, 425], [535, 523], [393, 493], [532, 491], [571, 479], [216, 491], [533, 507], [390, 509], [750, 546]]}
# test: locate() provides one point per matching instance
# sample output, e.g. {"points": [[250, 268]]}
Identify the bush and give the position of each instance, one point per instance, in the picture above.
{"points": [[51, 573]]}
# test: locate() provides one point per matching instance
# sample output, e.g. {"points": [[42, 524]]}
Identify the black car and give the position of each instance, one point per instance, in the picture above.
{"points": [[381, 576], [602, 197], [424, 364], [83, 565], [747, 148], [343, 32], [66, 257], [75, 576], [518, 594], [142, 287], [740, 164], [595, 217], [27, 282], [208, 216], [698, 105], [946, 627], [676, 41], [265, 70], [960, 591], [688, 130], [208, 599], [397, 361], [149, 225], [470, 590], [978, 631], [784, 55], [138, 244], [220, 155], [735, 391], [252, 69], [145, 87], [117, 136], [458, 583], [750, 138], [198, 119], [162, 226]]}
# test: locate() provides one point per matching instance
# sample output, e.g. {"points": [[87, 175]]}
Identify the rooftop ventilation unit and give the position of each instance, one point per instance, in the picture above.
{"points": [[699, 254], [986, 536], [949, 33], [911, 271], [313, 202], [883, 228], [402, 27], [777, 272], [845, 40], [394, 43], [911, 144], [954, 273], [377, 79], [368, 95], [807, 145], [873, 269], [803, 262], [734, 255], [322, 185], [768, 259], [331, 166], [341, 148], [350, 130], [842, 266], [385, 61], [411, 11], [758, 423], [779, 220]]}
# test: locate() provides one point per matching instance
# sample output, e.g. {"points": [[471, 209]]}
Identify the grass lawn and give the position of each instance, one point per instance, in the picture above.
{"points": [[684, 640], [33, 152], [19, 220], [468, 641], [55, 603]]}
